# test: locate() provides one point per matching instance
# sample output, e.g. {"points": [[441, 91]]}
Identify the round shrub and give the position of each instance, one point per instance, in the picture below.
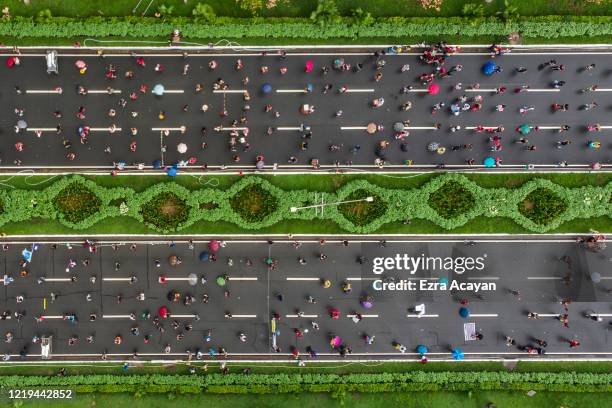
{"points": [[165, 211], [542, 206], [253, 203], [75, 202], [363, 212], [451, 200]]}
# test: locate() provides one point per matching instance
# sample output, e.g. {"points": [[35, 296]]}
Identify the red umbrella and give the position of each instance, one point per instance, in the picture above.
{"points": [[434, 89], [163, 312], [309, 66], [10, 62], [213, 245]]}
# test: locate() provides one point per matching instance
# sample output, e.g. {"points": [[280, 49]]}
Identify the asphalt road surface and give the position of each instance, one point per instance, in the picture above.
{"points": [[181, 105], [515, 277]]}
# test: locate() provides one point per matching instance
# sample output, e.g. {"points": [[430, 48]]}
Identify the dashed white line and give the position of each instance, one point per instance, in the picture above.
{"points": [[245, 316], [363, 315], [314, 316], [58, 279], [353, 127], [422, 316], [291, 91], [175, 129], [229, 91], [359, 90], [544, 278], [289, 128], [44, 91], [172, 91], [303, 279], [483, 315], [484, 278], [103, 91], [242, 278]]}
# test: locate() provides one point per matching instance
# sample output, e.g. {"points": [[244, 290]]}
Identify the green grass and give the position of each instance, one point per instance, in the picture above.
{"points": [[326, 183], [383, 400]]}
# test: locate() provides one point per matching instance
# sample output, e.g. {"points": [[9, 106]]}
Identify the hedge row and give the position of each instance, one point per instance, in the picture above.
{"points": [[186, 207], [285, 383], [385, 27]]}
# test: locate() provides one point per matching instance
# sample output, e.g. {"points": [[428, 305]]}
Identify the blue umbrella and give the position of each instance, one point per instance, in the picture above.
{"points": [[171, 172], [212, 352], [204, 256], [489, 68], [27, 255], [421, 349], [489, 161], [309, 88], [158, 90], [464, 312], [457, 354], [266, 88], [157, 164]]}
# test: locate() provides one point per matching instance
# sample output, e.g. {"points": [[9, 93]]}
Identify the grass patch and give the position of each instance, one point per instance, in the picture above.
{"points": [[165, 210], [451, 200], [362, 212], [76, 202], [542, 206], [253, 203]]}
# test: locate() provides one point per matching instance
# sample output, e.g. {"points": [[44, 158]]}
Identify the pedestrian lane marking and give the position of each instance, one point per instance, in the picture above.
{"points": [[605, 127], [303, 279], [544, 278], [107, 129], [549, 127], [229, 91], [116, 316], [548, 314], [363, 315], [91, 129], [177, 279], [41, 129], [422, 315], [523, 90], [483, 315], [484, 127], [306, 316], [179, 316]]}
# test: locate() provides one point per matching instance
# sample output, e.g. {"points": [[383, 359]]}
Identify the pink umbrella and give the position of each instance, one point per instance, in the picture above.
{"points": [[80, 64], [434, 89], [213, 245], [10, 62], [336, 341], [309, 66], [163, 312]]}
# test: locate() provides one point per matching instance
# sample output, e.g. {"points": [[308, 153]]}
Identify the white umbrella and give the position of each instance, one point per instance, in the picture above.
{"points": [[158, 90], [182, 148]]}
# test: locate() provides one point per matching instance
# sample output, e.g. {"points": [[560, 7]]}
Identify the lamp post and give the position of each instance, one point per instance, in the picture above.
{"points": [[296, 209]]}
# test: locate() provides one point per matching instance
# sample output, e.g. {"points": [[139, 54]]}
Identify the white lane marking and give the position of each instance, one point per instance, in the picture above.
{"points": [[115, 316], [116, 279], [603, 90], [483, 315], [177, 279], [549, 127], [526, 90], [548, 314], [544, 278], [303, 279], [229, 91], [363, 315], [172, 91], [245, 316], [359, 90], [241, 278], [418, 90], [606, 277], [485, 127], [176, 129], [93, 129], [485, 278], [306, 316], [179, 316], [602, 314], [229, 129], [406, 278], [606, 127], [58, 279], [353, 127], [103, 91], [420, 127], [291, 91], [422, 316], [543, 90], [41, 129], [289, 128], [44, 91], [51, 317], [480, 90]]}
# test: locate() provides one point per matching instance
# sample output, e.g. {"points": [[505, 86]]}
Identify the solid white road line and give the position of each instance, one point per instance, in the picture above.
{"points": [[422, 316], [480, 90], [177, 279], [229, 91], [103, 91], [241, 278], [303, 279], [483, 315], [606, 127], [549, 127], [288, 128], [549, 314], [305, 316], [91, 129], [363, 315], [43, 91], [544, 278], [353, 127]]}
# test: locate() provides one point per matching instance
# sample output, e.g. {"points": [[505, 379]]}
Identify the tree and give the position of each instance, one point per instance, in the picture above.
{"points": [[204, 12], [326, 12]]}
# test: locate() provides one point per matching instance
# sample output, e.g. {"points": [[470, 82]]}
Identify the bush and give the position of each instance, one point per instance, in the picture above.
{"points": [[542, 206], [204, 12], [253, 203], [165, 211], [362, 212], [75, 202], [451, 200]]}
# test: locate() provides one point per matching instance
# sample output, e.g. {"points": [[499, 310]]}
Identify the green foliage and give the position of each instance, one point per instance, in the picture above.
{"points": [[325, 13], [44, 16], [509, 12], [204, 12], [75, 202], [165, 11], [473, 10], [361, 17], [362, 213], [451, 200], [165, 211], [542, 206], [254, 203]]}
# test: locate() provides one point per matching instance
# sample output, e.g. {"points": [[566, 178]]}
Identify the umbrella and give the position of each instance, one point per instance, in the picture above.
{"points": [[80, 64], [336, 341], [221, 280], [10, 62], [204, 256], [158, 90], [367, 304], [181, 148], [457, 354], [27, 255], [421, 349], [171, 172], [163, 312], [464, 312], [489, 68], [489, 161], [338, 63], [309, 66], [260, 165], [213, 245], [212, 352], [433, 89], [266, 88], [524, 129], [173, 260], [398, 126], [596, 277], [157, 164], [309, 88], [193, 279], [22, 124]]}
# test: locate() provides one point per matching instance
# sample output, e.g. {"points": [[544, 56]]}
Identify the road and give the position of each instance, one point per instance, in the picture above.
{"points": [[536, 269], [182, 107]]}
